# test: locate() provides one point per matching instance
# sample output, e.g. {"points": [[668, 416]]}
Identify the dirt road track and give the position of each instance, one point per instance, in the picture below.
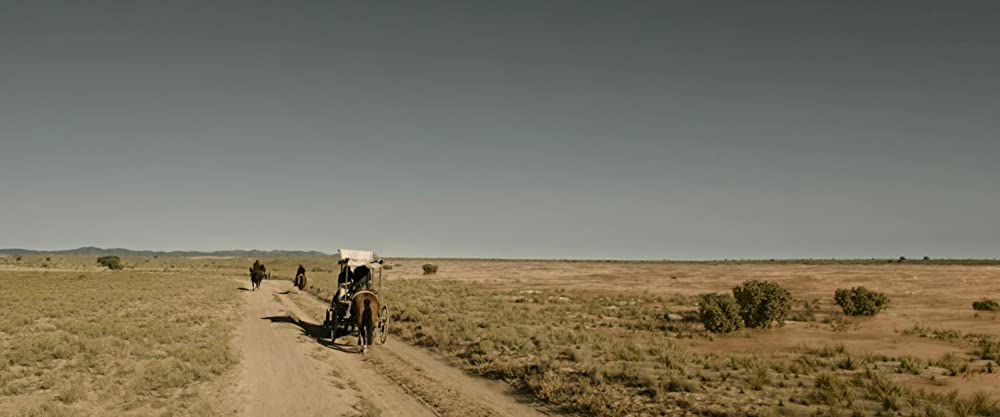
{"points": [[287, 370], [286, 373]]}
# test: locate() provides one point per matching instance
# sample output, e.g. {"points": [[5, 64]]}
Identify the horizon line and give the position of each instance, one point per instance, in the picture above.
{"points": [[4, 251]]}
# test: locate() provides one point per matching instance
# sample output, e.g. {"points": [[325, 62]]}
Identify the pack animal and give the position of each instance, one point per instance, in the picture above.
{"points": [[364, 310]]}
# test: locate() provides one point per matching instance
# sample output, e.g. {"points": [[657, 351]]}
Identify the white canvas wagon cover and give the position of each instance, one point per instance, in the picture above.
{"points": [[356, 258]]}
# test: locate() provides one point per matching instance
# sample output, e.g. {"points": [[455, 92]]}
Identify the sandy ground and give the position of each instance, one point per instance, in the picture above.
{"points": [[932, 296], [289, 369], [281, 375]]}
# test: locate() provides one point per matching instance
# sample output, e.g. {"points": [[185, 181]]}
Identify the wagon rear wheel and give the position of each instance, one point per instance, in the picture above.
{"points": [[383, 324]]}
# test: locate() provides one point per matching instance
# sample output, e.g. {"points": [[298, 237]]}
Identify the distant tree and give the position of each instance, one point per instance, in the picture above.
{"points": [[902, 259], [110, 262], [927, 258]]}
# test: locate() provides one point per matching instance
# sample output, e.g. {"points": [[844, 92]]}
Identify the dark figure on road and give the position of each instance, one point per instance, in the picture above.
{"points": [[257, 274], [368, 326], [300, 278]]}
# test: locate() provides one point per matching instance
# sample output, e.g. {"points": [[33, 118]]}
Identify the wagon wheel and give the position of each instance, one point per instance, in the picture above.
{"points": [[333, 326], [383, 324]]}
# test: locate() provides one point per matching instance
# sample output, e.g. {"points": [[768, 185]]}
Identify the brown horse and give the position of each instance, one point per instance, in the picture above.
{"points": [[257, 274], [364, 310]]}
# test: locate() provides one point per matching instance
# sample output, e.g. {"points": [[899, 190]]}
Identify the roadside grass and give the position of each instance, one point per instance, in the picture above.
{"points": [[983, 346], [604, 354], [608, 354], [113, 343]]}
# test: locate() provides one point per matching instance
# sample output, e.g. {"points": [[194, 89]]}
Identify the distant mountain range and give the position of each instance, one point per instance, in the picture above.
{"points": [[95, 251]]}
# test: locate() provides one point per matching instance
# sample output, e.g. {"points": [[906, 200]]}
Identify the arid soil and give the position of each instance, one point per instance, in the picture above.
{"points": [[280, 363], [397, 379], [938, 296]]}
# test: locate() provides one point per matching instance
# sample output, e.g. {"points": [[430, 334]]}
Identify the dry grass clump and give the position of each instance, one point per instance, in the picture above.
{"points": [[429, 269], [982, 346], [83, 343]]}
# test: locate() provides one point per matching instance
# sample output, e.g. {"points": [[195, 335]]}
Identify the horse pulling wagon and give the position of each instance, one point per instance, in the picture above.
{"points": [[357, 305]]}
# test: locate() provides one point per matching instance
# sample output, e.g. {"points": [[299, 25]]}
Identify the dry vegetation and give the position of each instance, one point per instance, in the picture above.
{"points": [[110, 343], [589, 338], [594, 348]]}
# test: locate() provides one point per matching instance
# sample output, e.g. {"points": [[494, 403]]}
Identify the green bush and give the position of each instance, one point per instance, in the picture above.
{"points": [[111, 262], [430, 269], [860, 301], [719, 313], [986, 305], [762, 303]]}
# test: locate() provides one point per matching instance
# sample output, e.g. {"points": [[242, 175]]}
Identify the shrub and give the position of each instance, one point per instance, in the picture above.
{"points": [[387, 267], [986, 305], [111, 262], [719, 313], [762, 303], [430, 269], [860, 301]]}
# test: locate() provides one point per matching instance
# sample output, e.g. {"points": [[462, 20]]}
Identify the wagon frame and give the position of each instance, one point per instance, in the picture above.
{"points": [[338, 320]]}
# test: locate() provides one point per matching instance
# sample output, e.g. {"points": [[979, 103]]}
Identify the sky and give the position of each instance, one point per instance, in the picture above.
{"points": [[610, 130]]}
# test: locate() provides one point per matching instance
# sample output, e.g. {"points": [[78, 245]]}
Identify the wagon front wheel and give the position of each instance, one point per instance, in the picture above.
{"points": [[383, 324], [333, 327]]}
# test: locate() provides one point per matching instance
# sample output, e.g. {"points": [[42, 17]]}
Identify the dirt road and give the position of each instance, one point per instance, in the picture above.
{"points": [[289, 369]]}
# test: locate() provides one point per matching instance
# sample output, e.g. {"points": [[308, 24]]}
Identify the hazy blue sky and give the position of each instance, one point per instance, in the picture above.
{"points": [[503, 129]]}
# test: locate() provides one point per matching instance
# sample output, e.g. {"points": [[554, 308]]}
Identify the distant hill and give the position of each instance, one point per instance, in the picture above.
{"points": [[94, 251]]}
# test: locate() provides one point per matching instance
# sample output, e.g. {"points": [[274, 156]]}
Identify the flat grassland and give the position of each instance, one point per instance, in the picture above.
{"points": [[77, 341], [619, 338], [587, 338]]}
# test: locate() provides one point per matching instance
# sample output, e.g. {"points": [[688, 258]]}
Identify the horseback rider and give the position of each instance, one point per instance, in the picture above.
{"points": [[300, 277], [254, 269], [257, 274]]}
